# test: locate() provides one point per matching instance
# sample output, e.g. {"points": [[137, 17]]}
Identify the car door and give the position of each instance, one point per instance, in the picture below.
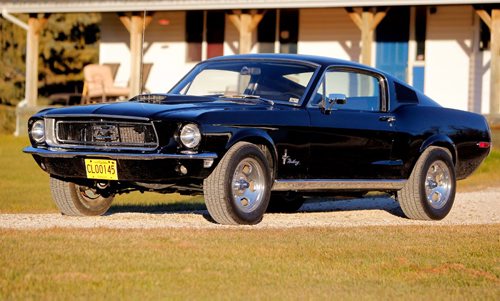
{"points": [[351, 134]]}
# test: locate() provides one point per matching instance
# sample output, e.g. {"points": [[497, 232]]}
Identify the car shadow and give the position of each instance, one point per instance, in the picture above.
{"points": [[378, 202], [174, 208]]}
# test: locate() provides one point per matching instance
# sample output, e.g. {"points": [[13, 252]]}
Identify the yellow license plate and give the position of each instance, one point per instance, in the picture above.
{"points": [[101, 169]]}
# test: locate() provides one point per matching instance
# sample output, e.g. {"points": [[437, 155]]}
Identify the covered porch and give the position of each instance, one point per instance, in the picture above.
{"points": [[244, 18]]}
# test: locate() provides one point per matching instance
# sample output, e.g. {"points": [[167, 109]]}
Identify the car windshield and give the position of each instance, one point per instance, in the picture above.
{"points": [[271, 81]]}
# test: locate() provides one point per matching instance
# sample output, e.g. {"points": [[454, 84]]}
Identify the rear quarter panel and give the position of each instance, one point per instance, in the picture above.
{"points": [[419, 127]]}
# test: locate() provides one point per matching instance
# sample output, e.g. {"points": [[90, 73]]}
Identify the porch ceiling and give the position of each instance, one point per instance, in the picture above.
{"points": [[52, 6]]}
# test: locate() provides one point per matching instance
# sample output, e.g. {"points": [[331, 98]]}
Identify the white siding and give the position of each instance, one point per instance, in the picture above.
{"points": [[484, 76], [167, 51], [164, 47], [114, 47], [448, 50], [328, 32]]}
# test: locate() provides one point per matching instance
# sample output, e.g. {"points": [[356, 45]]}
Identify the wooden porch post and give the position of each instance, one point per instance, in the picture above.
{"points": [[35, 25], [367, 21], [28, 107], [135, 25], [493, 22], [246, 23]]}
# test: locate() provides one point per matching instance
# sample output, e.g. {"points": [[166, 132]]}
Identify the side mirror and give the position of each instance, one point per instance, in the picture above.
{"points": [[337, 98], [333, 99]]}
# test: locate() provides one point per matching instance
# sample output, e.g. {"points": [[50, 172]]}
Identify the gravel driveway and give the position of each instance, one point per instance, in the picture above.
{"points": [[480, 207]]}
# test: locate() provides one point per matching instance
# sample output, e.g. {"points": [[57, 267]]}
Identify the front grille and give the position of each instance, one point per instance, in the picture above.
{"points": [[119, 134]]}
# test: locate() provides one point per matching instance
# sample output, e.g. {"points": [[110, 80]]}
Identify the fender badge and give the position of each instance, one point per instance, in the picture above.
{"points": [[287, 160]]}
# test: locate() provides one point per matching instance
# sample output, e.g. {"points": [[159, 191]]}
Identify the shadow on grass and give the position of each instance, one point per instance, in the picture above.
{"points": [[378, 202]]}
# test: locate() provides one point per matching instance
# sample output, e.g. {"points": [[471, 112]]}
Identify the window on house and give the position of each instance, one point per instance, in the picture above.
{"points": [[204, 26], [287, 21], [420, 31], [289, 30], [215, 33], [266, 32], [194, 35]]}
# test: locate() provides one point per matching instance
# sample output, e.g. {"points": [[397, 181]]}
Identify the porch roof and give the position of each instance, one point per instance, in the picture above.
{"points": [[53, 6]]}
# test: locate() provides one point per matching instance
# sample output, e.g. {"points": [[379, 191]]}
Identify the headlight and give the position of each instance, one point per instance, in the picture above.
{"points": [[190, 135], [38, 131]]}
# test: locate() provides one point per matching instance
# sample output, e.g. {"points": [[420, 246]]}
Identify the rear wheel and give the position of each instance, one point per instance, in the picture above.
{"points": [[76, 200], [237, 191], [430, 191]]}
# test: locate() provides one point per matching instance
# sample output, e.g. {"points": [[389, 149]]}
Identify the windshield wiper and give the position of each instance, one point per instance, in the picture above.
{"points": [[248, 96]]}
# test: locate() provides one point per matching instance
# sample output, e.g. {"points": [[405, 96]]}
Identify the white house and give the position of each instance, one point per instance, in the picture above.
{"points": [[443, 50], [440, 46]]}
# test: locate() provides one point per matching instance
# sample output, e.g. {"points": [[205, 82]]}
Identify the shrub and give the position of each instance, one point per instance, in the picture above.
{"points": [[7, 119]]}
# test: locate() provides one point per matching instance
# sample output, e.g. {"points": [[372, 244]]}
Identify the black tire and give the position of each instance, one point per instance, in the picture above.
{"points": [[285, 202], [414, 197], [226, 197], [73, 199]]}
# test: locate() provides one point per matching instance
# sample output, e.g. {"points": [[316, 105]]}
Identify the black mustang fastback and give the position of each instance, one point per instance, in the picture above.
{"points": [[258, 131]]}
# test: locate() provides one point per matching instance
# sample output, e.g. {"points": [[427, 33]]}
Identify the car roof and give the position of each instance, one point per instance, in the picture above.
{"points": [[318, 60]]}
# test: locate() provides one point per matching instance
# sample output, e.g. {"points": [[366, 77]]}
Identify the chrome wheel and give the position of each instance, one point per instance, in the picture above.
{"points": [[238, 189], [90, 198], [438, 184], [429, 192], [78, 200], [248, 185]]}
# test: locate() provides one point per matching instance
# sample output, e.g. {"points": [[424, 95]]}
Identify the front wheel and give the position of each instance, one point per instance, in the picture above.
{"points": [[430, 191], [76, 200], [237, 191]]}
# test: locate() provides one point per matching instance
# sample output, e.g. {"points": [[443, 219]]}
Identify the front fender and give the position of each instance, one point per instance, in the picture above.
{"points": [[255, 136]]}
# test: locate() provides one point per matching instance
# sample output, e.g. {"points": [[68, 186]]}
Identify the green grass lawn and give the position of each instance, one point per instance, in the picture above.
{"points": [[375, 263], [378, 263]]}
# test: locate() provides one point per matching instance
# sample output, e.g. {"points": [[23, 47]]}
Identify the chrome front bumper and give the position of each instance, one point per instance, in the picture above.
{"points": [[61, 153]]}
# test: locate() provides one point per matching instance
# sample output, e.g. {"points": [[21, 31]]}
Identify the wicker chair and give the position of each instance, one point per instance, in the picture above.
{"points": [[99, 85]]}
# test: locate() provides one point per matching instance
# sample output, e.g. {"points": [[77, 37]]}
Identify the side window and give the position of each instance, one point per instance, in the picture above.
{"points": [[362, 91]]}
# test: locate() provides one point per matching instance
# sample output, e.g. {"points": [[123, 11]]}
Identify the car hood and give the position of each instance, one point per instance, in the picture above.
{"points": [[174, 106]]}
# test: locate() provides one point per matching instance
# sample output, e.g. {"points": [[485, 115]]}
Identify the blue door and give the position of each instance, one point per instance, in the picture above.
{"points": [[392, 42]]}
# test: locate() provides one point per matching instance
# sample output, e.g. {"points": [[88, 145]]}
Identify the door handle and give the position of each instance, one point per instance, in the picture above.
{"points": [[389, 119]]}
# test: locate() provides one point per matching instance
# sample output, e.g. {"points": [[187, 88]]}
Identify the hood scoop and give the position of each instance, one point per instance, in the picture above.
{"points": [[150, 98], [171, 98]]}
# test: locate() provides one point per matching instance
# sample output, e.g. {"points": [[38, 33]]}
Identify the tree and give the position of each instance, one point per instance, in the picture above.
{"points": [[67, 43], [12, 59]]}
